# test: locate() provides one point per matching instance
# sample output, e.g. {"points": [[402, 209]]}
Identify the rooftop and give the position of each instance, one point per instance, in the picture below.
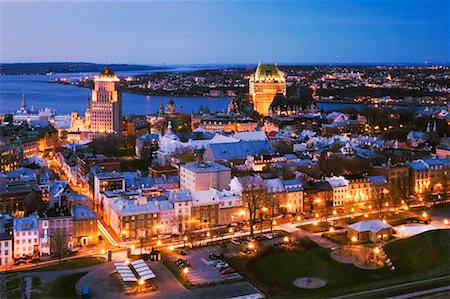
{"points": [[204, 167], [369, 225]]}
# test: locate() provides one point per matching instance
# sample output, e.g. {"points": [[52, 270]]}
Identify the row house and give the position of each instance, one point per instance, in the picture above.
{"points": [[105, 181], [205, 209], [6, 240], [26, 236], [397, 177], [294, 196], [339, 186], [85, 229], [182, 203], [141, 218], [358, 188], [429, 175], [55, 227]]}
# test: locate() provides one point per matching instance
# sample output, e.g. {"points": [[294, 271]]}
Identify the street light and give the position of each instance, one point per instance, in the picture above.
{"points": [[185, 270], [353, 239], [171, 248], [445, 222], [331, 229], [185, 240], [158, 243], [286, 239]]}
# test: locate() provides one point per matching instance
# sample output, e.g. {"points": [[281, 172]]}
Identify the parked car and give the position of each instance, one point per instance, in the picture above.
{"points": [[182, 252], [268, 236], [214, 256], [221, 264], [227, 271], [19, 263]]}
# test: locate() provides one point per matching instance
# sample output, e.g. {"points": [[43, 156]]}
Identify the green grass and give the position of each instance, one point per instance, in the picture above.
{"points": [[420, 257], [320, 227], [338, 238], [64, 286], [73, 264]]}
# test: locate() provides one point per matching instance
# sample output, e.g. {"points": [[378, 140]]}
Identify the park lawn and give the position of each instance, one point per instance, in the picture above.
{"points": [[73, 264], [64, 286], [420, 257], [320, 227]]}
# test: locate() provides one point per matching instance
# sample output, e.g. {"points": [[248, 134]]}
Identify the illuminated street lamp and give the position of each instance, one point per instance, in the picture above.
{"points": [[103, 251], [158, 243], [132, 247], [317, 215], [315, 222], [286, 239], [127, 261], [353, 239], [185, 270], [334, 213], [446, 223], [424, 215], [331, 229], [171, 248], [208, 234], [185, 240], [251, 246]]}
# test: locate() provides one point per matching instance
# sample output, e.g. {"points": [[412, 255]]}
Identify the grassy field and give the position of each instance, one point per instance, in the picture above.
{"points": [[320, 227], [73, 264], [416, 258], [64, 286]]}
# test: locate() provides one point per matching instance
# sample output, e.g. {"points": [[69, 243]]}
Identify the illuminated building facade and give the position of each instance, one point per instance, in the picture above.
{"points": [[106, 104], [265, 84]]}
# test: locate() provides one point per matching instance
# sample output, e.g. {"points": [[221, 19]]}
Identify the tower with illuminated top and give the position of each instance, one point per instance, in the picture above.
{"points": [[106, 104], [265, 84]]}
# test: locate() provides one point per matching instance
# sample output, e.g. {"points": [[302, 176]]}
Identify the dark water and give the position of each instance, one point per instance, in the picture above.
{"points": [[67, 98]]}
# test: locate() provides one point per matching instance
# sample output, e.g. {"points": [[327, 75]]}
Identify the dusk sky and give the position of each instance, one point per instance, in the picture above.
{"points": [[226, 32]]}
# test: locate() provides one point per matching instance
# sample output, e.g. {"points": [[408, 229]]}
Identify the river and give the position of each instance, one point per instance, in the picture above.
{"points": [[67, 98]]}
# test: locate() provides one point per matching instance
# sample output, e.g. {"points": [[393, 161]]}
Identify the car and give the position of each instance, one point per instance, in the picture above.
{"points": [[179, 261], [227, 271], [19, 263], [268, 236], [259, 238], [221, 264], [35, 260], [214, 256], [182, 252], [235, 241]]}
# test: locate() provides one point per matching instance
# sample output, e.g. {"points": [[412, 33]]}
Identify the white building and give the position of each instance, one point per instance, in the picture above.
{"points": [[6, 252], [340, 189], [202, 176], [26, 236]]}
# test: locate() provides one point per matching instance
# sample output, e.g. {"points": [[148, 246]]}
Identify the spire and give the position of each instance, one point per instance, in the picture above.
{"points": [[169, 127], [23, 106], [161, 108], [428, 127], [434, 127]]}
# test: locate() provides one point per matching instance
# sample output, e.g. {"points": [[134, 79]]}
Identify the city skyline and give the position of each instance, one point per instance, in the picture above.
{"points": [[197, 32]]}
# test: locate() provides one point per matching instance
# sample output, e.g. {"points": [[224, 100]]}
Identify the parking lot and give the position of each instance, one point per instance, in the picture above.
{"points": [[200, 268]]}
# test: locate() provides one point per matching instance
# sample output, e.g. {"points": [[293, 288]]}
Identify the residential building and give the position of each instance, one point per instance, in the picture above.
{"points": [[340, 189], [26, 236], [6, 240], [106, 181], [85, 229], [205, 209], [182, 203], [201, 176], [294, 196]]}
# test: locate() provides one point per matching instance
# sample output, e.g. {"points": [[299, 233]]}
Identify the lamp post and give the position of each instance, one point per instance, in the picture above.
{"points": [[353, 239], [376, 251], [445, 223], [185, 238]]}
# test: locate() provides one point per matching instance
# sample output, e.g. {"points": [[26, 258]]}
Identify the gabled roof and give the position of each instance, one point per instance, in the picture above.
{"points": [[242, 149], [369, 226]]}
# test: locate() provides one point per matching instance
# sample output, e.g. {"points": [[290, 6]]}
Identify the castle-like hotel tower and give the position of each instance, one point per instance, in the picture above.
{"points": [[106, 104], [265, 84]]}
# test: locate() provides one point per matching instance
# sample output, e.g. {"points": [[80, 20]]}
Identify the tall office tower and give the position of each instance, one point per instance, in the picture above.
{"points": [[106, 104], [265, 83]]}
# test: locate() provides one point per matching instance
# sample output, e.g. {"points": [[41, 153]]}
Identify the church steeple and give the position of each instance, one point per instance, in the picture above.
{"points": [[161, 108]]}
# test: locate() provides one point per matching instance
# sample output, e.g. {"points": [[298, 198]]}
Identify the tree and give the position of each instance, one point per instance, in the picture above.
{"points": [[58, 244], [254, 195]]}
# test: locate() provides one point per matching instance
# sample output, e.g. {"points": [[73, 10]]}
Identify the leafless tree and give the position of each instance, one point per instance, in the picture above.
{"points": [[59, 244], [254, 195]]}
